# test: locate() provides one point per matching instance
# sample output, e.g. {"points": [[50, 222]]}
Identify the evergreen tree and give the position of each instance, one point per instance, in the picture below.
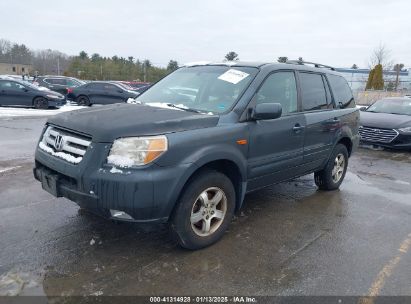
{"points": [[282, 59], [231, 56], [368, 86], [172, 65], [378, 80]]}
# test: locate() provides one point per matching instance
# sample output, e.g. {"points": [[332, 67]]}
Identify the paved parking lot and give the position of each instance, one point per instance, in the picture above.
{"points": [[289, 239]]}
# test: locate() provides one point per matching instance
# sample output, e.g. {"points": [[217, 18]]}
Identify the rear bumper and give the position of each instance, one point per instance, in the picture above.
{"points": [[146, 194]]}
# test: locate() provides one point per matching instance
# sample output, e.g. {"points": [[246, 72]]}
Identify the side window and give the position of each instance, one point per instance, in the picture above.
{"points": [[72, 83], [5, 85], [111, 87], [279, 87], [313, 94], [341, 90], [58, 81], [328, 93], [95, 86]]}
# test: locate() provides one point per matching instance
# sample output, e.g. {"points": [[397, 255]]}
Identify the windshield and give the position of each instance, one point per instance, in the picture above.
{"points": [[392, 106], [202, 88]]}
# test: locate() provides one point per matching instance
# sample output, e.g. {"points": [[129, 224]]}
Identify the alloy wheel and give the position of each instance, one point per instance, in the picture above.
{"points": [[208, 211]]}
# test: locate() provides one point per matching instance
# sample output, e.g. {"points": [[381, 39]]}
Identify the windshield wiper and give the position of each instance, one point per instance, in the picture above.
{"points": [[171, 105]]}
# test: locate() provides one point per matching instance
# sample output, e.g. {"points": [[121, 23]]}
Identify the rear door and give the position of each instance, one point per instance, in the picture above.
{"points": [[113, 93], [95, 92], [276, 145], [322, 121]]}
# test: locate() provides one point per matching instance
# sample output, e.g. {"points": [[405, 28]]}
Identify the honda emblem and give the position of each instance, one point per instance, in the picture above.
{"points": [[58, 143]]}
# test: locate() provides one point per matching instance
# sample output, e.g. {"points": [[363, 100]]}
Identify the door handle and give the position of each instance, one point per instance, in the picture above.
{"points": [[298, 128]]}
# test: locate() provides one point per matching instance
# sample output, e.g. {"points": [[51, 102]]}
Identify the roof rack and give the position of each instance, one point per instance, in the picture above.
{"points": [[317, 65]]}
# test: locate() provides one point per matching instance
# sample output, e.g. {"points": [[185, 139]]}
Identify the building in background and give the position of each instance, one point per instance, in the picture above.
{"points": [[15, 68], [357, 78]]}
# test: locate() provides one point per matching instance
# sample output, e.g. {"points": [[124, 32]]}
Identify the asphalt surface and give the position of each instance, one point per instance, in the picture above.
{"points": [[289, 239]]}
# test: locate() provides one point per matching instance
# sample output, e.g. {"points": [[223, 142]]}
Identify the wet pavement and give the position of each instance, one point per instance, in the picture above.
{"points": [[289, 239]]}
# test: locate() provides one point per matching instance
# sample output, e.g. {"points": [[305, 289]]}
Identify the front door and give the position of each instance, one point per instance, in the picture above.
{"points": [[276, 145]]}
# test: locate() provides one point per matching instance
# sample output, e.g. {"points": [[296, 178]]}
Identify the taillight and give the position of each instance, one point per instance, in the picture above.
{"points": [[69, 90]]}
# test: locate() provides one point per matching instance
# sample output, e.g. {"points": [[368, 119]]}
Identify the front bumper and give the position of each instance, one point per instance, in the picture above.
{"points": [[57, 102], [146, 194], [401, 142]]}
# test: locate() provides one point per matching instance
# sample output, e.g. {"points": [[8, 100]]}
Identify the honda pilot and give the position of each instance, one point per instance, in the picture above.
{"points": [[191, 147]]}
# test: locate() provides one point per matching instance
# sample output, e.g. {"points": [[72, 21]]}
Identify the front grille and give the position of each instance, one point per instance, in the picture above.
{"points": [[377, 135], [65, 144]]}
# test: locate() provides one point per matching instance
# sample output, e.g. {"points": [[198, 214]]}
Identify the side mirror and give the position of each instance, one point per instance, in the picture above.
{"points": [[120, 91], [267, 111], [363, 108]]}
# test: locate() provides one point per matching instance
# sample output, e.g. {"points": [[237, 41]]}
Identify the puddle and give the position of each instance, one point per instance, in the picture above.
{"points": [[355, 184]]}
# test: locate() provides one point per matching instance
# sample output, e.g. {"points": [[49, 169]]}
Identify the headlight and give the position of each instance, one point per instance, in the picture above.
{"points": [[406, 130], [53, 96], [136, 151]]}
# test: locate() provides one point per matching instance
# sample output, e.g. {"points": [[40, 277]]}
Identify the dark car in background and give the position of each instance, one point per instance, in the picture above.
{"points": [[60, 84], [19, 93], [101, 92], [387, 123], [190, 161]]}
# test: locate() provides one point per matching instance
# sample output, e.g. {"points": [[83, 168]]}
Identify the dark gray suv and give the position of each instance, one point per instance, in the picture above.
{"points": [[198, 140]]}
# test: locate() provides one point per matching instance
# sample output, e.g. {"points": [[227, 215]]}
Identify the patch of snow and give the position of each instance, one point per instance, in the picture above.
{"points": [[229, 63], [161, 105], [8, 169], [120, 161], [92, 242], [189, 64], [133, 100], [65, 156], [22, 112], [43, 88], [97, 293], [115, 170]]}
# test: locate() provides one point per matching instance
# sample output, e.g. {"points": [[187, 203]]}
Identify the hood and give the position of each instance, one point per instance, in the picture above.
{"points": [[384, 120], [106, 123]]}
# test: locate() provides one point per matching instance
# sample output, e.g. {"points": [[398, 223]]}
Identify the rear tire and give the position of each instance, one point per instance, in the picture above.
{"points": [[83, 101], [204, 211], [331, 177], [41, 103]]}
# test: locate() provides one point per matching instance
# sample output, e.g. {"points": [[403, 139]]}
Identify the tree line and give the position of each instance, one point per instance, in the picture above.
{"points": [[83, 66]]}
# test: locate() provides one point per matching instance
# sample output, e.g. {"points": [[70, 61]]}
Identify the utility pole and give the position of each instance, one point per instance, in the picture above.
{"points": [[144, 71], [58, 66]]}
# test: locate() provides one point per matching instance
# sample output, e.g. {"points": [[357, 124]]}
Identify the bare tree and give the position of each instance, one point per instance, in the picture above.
{"points": [[397, 68], [381, 55]]}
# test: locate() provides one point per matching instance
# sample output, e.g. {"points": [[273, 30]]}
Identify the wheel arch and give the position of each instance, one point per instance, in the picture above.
{"points": [[226, 166], [347, 142]]}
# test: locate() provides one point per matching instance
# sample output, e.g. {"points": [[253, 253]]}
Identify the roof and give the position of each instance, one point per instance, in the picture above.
{"points": [[273, 65]]}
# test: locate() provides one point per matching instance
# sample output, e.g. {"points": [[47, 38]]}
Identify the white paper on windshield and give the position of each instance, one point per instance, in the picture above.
{"points": [[233, 76]]}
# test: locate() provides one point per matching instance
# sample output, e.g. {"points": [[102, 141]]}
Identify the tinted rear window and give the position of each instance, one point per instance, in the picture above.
{"points": [[58, 81], [313, 92], [341, 91]]}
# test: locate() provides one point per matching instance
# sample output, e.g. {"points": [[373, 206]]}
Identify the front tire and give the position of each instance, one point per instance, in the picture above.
{"points": [[41, 103], [331, 177], [204, 211]]}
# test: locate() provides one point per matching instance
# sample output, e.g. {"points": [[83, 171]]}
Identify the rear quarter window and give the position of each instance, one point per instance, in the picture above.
{"points": [[341, 90]]}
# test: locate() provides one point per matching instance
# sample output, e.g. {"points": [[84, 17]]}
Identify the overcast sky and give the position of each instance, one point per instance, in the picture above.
{"points": [[338, 33]]}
